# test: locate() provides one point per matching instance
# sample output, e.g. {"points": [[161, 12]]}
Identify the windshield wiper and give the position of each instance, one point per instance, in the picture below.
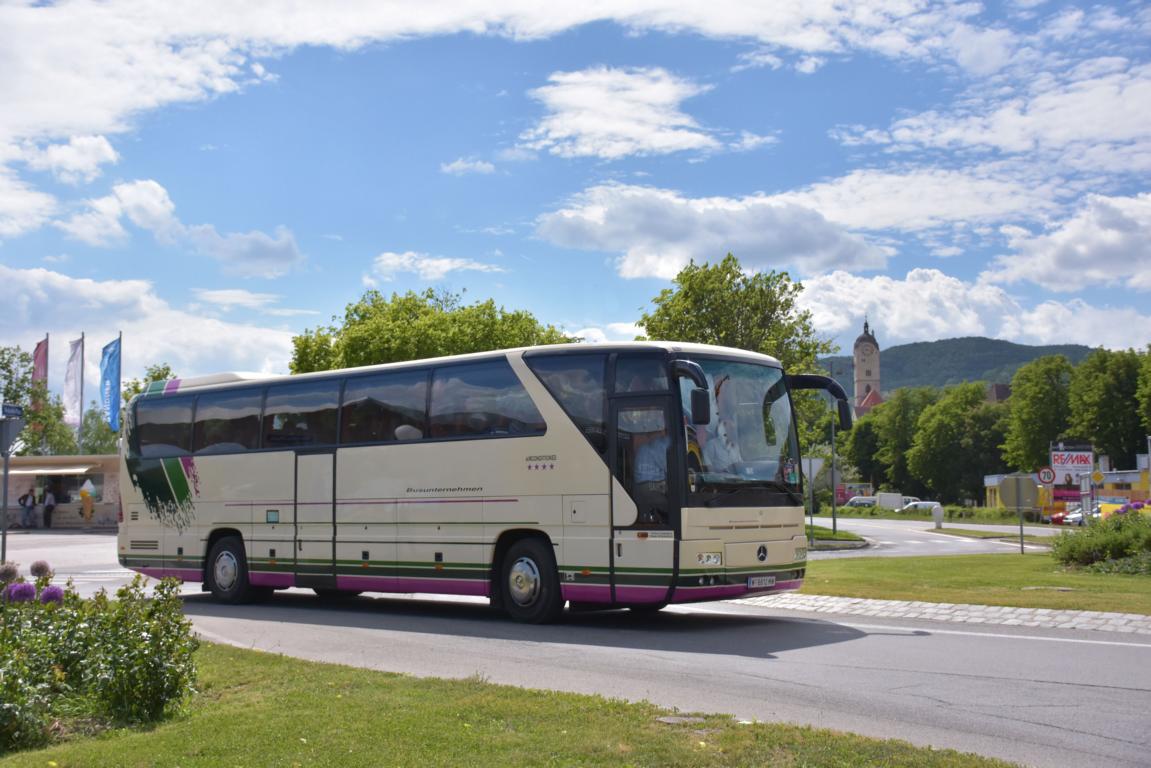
{"points": [[760, 485]]}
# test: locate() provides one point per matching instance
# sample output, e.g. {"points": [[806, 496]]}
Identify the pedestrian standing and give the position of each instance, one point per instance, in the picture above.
{"points": [[49, 506], [27, 504]]}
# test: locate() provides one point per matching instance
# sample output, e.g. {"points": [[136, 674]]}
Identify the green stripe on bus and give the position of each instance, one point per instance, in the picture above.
{"points": [[174, 469]]}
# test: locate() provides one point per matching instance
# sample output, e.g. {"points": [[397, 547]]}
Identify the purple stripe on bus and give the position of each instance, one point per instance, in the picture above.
{"points": [[438, 586], [586, 593], [267, 579], [171, 386], [640, 594], [692, 594], [368, 502], [183, 574]]}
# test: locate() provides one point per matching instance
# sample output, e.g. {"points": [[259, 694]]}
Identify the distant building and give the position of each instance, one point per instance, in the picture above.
{"points": [[865, 356], [998, 393]]}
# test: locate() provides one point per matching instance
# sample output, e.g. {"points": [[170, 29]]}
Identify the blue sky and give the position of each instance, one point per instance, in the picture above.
{"points": [[211, 181]]}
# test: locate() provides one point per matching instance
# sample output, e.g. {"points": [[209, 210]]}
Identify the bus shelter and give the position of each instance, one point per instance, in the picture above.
{"points": [[69, 478]]}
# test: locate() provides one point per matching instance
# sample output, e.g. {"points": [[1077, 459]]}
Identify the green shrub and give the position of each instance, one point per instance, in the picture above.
{"points": [[1116, 538], [124, 660]]}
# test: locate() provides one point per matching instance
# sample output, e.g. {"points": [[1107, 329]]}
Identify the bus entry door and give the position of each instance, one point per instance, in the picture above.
{"points": [[315, 519], [641, 445]]}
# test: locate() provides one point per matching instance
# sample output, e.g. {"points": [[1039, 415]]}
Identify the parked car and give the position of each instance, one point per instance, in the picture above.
{"points": [[860, 501], [909, 499], [920, 506]]}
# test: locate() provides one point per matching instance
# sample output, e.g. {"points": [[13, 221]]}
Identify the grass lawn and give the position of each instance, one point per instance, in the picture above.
{"points": [[1032, 580], [257, 709], [825, 534], [971, 533]]}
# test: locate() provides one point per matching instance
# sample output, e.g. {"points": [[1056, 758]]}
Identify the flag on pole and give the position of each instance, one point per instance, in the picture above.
{"points": [[110, 383], [40, 361], [74, 383]]}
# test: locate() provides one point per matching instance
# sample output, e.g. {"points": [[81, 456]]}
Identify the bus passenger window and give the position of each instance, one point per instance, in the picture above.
{"points": [[640, 374], [384, 408], [482, 399], [227, 422], [577, 382], [163, 426], [301, 414]]}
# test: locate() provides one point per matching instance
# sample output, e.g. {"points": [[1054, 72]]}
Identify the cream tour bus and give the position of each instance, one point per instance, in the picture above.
{"points": [[615, 475]]}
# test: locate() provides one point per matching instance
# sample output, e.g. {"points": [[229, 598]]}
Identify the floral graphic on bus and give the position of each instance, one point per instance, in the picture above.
{"points": [[168, 487]]}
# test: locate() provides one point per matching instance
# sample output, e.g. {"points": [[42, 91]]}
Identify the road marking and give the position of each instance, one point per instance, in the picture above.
{"points": [[910, 630]]}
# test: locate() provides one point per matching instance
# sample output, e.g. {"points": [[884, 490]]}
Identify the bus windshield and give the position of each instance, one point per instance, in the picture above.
{"points": [[748, 454]]}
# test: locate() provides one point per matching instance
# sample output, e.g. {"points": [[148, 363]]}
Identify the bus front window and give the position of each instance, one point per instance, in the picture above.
{"points": [[748, 454]]}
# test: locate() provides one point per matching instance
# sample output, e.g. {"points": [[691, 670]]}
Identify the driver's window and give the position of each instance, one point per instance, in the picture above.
{"points": [[642, 447]]}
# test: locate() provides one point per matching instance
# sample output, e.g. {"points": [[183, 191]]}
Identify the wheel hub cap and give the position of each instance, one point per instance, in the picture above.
{"points": [[225, 570], [524, 581]]}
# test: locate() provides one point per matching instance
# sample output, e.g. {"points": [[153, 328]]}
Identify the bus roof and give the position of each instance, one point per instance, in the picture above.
{"points": [[215, 379]]}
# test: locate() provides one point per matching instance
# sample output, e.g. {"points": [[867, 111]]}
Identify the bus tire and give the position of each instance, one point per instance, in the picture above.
{"points": [[530, 582], [228, 572]]}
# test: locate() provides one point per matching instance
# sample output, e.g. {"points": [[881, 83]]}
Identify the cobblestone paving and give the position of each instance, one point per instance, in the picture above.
{"points": [[1120, 623]]}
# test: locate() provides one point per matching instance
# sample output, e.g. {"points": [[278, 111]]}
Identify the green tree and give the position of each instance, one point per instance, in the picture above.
{"points": [[723, 305], [1039, 411], [415, 326], [96, 437], [896, 425], [861, 448], [158, 372], [956, 443], [1104, 405], [45, 432], [16, 371], [1143, 390]]}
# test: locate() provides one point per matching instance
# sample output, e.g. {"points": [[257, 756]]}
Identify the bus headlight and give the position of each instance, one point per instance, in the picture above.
{"points": [[710, 558], [801, 553]]}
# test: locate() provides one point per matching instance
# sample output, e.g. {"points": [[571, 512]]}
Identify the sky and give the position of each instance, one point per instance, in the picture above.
{"points": [[212, 178]]}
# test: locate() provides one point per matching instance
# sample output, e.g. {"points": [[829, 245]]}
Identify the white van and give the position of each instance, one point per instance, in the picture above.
{"points": [[889, 500]]}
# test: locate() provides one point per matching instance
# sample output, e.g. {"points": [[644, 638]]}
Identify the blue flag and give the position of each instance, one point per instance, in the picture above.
{"points": [[110, 383]]}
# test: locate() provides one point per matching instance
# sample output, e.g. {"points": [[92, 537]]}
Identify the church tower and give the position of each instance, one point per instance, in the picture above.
{"points": [[866, 358]]}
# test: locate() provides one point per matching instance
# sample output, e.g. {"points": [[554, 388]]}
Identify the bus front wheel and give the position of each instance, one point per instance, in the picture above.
{"points": [[228, 572], [530, 583]]}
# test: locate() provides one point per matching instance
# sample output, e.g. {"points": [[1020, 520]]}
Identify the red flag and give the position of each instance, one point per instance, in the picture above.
{"points": [[40, 362]]}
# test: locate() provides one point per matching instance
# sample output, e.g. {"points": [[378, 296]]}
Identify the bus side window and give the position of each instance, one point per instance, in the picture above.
{"points": [[163, 426], [227, 422], [577, 383], [301, 414], [384, 408], [481, 399]]}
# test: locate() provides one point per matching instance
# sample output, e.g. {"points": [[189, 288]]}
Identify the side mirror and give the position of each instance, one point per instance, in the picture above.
{"points": [[844, 415], [700, 406]]}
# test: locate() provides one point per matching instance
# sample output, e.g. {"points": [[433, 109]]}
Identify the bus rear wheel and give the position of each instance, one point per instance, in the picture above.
{"points": [[530, 583], [228, 573]]}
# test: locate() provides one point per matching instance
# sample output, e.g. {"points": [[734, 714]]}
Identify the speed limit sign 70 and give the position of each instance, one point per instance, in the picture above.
{"points": [[1047, 475]]}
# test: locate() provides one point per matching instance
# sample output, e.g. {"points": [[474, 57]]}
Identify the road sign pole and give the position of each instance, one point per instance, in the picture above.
{"points": [[4, 525]]}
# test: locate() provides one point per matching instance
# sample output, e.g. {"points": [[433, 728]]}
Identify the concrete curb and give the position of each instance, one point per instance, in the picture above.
{"points": [[1099, 621]]}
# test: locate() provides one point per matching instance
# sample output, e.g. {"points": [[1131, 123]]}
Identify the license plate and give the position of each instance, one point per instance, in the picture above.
{"points": [[760, 582]]}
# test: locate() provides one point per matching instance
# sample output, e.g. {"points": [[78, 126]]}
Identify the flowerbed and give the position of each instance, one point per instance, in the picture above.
{"points": [[101, 661]]}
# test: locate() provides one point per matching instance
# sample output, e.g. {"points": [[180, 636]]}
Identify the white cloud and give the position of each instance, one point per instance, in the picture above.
{"points": [[388, 265], [78, 161], [614, 113], [928, 304], [228, 298], [659, 231], [146, 204], [22, 208], [154, 331], [611, 332], [461, 167], [920, 199], [1107, 242]]}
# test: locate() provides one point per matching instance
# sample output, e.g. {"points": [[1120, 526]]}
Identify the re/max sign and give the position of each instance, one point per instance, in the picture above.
{"points": [[1071, 459]]}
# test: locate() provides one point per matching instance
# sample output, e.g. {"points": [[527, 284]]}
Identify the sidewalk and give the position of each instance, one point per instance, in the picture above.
{"points": [[1122, 623]]}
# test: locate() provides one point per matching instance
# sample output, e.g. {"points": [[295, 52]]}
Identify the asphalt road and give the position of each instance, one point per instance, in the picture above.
{"points": [[898, 538], [1038, 697]]}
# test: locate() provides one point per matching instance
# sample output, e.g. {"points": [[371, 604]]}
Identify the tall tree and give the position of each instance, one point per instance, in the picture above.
{"points": [[956, 442], [16, 372], [1143, 391], [133, 387], [414, 326], [861, 448], [722, 304], [95, 434], [1040, 411], [896, 425], [45, 432], [1104, 406]]}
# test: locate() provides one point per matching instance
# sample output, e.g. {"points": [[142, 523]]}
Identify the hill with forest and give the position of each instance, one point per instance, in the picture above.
{"points": [[950, 361]]}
